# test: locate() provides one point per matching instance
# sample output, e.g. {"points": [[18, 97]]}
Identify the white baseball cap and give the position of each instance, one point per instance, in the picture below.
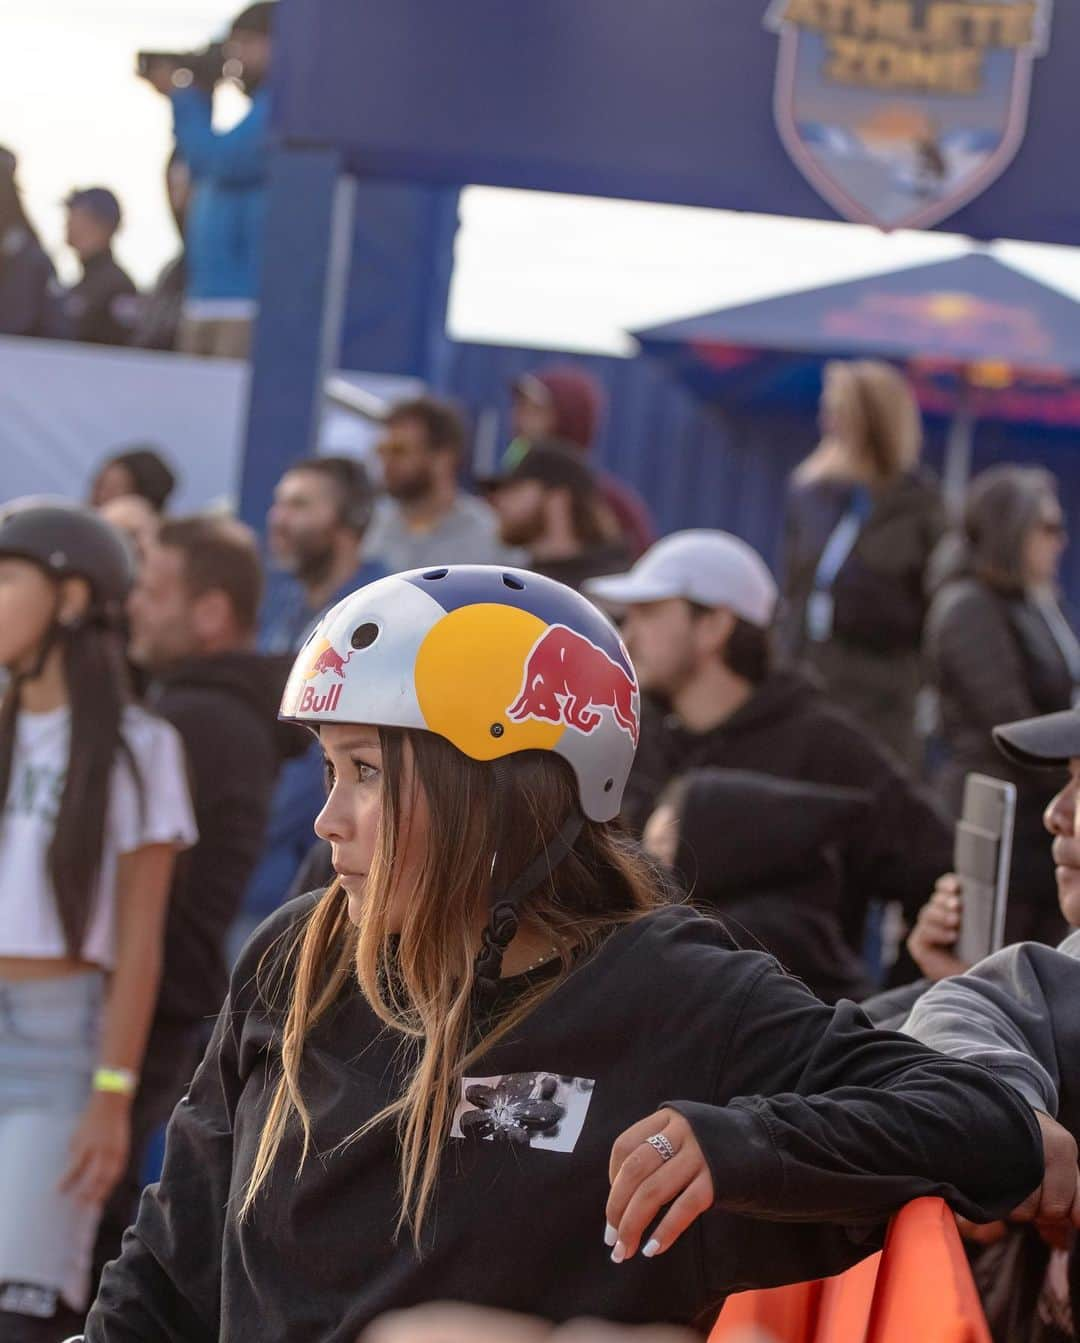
{"points": [[707, 567]]}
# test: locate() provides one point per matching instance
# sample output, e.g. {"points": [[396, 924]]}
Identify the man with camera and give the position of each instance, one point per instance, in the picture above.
{"points": [[228, 172]]}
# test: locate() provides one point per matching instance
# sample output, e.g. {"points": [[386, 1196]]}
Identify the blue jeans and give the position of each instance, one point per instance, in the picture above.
{"points": [[49, 1046]]}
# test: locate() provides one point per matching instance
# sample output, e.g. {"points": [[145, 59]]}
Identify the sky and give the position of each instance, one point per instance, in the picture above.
{"points": [[532, 269]]}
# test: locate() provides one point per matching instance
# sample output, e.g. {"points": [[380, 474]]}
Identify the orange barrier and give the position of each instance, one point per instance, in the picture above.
{"points": [[917, 1290]]}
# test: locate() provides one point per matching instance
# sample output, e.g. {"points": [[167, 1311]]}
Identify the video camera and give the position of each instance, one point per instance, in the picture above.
{"points": [[204, 69]]}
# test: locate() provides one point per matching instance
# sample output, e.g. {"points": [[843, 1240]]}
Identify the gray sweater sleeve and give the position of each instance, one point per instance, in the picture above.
{"points": [[1015, 1013]]}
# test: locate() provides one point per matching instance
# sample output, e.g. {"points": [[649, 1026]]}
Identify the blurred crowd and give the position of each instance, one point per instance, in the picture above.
{"points": [[805, 735], [204, 300], [792, 708]]}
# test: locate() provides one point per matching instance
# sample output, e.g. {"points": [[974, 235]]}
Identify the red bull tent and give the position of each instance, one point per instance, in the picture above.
{"points": [[911, 112], [979, 339]]}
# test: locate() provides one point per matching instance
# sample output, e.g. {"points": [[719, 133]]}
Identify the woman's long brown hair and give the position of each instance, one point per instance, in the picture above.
{"points": [[881, 413], [485, 825]]}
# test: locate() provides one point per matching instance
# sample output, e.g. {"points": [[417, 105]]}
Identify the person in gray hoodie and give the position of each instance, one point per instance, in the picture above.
{"points": [[1018, 1014]]}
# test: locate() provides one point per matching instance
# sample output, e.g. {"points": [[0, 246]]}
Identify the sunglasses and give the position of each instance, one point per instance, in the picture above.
{"points": [[1055, 529]]}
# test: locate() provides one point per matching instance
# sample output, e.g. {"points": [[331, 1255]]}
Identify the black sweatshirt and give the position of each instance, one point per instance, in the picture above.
{"points": [[789, 729], [225, 708], [663, 1012]]}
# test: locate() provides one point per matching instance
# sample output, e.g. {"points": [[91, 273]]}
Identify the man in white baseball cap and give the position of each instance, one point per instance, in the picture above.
{"points": [[699, 610]]}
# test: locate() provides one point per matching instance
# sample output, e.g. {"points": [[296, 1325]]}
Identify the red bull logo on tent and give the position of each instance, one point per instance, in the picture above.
{"points": [[569, 680], [899, 112]]}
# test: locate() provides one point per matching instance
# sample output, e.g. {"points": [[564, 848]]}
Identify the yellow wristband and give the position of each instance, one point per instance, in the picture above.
{"points": [[115, 1081]]}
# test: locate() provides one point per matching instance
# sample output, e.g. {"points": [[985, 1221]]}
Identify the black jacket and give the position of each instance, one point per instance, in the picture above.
{"points": [[789, 729], [663, 1012], [993, 660], [92, 307], [880, 591], [225, 709], [781, 893], [29, 297]]}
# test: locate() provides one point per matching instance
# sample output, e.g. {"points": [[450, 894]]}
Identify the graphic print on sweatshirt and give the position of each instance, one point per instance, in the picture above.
{"points": [[544, 1110]]}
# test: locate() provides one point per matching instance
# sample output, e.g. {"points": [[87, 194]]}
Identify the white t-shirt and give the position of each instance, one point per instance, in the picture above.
{"points": [[29, 919]]}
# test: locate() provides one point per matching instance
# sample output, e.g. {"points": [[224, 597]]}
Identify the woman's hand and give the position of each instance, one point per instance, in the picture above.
{"points": [[642, 1183], [99, 1149], [936, 931]]}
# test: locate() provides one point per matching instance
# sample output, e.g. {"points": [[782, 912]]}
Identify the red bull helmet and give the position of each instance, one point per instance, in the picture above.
{"points": [[495, 660]]}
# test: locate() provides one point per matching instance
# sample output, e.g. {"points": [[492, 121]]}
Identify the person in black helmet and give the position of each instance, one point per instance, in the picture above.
{"points": [[95, 807], [489, 1063]]}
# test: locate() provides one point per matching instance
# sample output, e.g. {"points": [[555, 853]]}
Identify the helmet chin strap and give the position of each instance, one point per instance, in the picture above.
{"points": [[505, 919]]}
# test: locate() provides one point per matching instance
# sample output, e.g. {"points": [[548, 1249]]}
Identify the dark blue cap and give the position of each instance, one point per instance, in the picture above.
{"points": [[99, 201]]}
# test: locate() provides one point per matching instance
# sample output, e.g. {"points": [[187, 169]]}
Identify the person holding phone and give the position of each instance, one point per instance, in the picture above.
{"points": [[999, 649], [1017, 1014]]}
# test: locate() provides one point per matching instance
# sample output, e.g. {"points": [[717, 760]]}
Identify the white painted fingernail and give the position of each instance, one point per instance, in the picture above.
{"points": [[611, 1235], [618, 1254], [652, 1248]]}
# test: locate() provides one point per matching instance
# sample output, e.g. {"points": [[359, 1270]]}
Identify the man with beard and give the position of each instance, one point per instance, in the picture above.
{"points": [[427, 519], [549, 504], [316, 534], [699, 611], [315, 530]]}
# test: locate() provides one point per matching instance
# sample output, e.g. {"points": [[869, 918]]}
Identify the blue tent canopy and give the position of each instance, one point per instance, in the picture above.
{"points": [[950, 316], [979, 339], [968, 310]]}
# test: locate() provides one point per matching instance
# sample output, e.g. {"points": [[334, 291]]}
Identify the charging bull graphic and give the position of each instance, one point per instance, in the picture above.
{"points": [[569, 680], [327, 661]]}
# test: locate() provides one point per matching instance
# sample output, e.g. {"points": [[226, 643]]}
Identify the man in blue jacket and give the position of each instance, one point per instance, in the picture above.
{"points": [[224, 223]]}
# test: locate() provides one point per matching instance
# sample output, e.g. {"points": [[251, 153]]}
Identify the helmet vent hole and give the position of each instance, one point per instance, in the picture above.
{"points": [[511, 582], [364, 635], [433, 575], [609, 784]]}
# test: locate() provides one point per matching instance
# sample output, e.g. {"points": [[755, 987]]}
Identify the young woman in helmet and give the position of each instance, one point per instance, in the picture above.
{"points": [[487, 1063], [94, 806]]}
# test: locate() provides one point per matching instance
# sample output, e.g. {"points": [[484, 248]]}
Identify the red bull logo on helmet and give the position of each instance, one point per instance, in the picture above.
{"points": [[568, 679], [325, 661]]}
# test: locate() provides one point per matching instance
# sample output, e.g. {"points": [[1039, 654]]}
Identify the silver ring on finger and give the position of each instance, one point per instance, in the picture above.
{"points": [[661, 1144]]}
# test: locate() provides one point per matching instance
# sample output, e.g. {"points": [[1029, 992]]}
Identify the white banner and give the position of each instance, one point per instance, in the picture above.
{"points": [[64, 407]]}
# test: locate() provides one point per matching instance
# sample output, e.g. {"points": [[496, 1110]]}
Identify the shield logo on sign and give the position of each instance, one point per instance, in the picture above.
{"points": [[899, 112]]}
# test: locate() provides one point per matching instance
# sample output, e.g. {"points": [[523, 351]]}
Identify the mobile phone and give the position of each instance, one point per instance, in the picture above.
{"points": [[982, 860]]}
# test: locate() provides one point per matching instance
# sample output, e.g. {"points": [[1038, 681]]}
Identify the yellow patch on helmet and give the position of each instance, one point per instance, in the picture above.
{"points": [[471, 711]]}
